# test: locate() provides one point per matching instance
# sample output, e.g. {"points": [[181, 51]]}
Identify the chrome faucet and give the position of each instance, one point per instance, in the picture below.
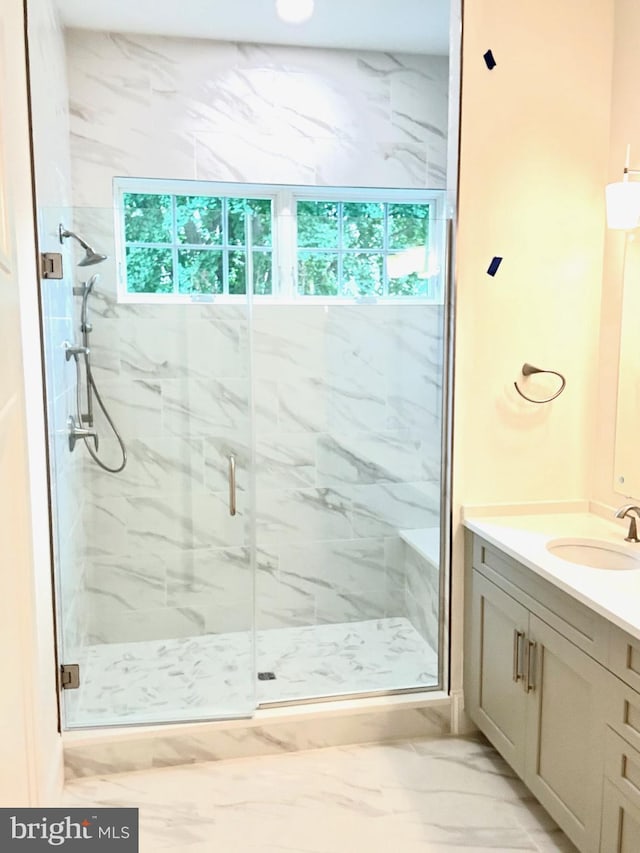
{"points": [[625, 512]]}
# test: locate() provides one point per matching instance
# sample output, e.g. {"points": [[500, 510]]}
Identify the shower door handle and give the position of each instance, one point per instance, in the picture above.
{"points": [[232, 485]]}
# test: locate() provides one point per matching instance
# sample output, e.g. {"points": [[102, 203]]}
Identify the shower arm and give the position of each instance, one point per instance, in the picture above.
{"points": [[64, 233], [91, 256]]}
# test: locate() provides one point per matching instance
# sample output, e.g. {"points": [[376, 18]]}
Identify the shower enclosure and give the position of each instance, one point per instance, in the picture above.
{"points": [[246, 391]]}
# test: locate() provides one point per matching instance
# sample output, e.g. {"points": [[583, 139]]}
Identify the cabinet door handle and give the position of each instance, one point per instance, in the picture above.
{"points": [[531, 652], [232, 485], [518, 637]]}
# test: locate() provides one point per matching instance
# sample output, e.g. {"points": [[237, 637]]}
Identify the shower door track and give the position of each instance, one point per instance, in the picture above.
{"points": [[345, 697]]}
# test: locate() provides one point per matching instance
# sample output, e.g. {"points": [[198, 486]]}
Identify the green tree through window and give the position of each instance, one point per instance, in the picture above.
{"points": [[196, 244], [344, 249], [179, 240]]}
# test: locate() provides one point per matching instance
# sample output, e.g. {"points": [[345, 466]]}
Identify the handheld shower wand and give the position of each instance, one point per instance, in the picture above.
{"points": [[84, 291], [76, 427]]}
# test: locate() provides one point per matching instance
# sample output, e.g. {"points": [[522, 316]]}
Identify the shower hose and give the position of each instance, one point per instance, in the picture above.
{"points": [[92, 388]]}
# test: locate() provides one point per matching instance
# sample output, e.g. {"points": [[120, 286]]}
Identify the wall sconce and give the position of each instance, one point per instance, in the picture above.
{"points": [[623, 200]]}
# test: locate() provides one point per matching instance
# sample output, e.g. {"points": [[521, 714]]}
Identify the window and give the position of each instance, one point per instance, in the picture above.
{"points": [[195, 244], [185, 240], [344, 248]]}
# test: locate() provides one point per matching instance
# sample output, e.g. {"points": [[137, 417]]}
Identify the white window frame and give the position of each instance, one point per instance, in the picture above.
{"points": [[435, 198], [284, 237]]}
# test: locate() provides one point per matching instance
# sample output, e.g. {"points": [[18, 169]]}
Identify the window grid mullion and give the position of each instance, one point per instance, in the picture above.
{"points": [[246, 247], [174, 248], [427, 249], [385, 250], [319, 250], [198, 247], [132, 244], [225, 245], [285, 245], [340, 248]]}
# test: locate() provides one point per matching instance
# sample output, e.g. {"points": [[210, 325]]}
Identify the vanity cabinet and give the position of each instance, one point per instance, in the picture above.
{"points": [[494, 694], [565, 722], [538, 684], [620, 822], [621, 797], [621, 793], [538, 699]]}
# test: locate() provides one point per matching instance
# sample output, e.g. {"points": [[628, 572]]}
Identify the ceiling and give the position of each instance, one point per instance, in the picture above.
{"points": [[412, 26]]}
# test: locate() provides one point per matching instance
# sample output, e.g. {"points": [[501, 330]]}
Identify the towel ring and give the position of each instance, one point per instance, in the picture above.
{"points": [[528, 370]]}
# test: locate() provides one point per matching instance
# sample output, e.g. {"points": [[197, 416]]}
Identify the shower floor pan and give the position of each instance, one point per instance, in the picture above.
{"points": [[207, 677]]}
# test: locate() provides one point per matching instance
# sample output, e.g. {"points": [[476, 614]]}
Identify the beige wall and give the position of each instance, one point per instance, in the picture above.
{"points": [[625, 129], [534, 149]]}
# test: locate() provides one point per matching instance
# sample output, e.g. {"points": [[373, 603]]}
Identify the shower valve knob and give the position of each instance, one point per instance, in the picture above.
{"points": [[71, 351], [77, 432]]}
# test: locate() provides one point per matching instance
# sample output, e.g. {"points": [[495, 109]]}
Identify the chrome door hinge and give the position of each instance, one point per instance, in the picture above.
{"points": [[69, 676], [51, 265]]}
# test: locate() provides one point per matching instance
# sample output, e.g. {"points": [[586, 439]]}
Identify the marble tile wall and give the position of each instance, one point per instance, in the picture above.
{"points": [[89, 755], [257, 113], [365, 425], [333, 483], [422, 594], [49, 93], [347, 398]]}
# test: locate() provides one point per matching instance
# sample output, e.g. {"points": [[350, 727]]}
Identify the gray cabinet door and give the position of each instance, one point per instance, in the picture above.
{"points": [[620, 822], [565, 734], [494, 698]]}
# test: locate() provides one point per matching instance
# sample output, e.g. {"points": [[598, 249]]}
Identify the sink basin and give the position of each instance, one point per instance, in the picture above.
{"points": [[595, 553]]}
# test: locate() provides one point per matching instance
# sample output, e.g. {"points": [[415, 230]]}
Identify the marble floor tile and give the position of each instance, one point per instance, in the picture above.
{"points": [[444, 795], [212, 675], [342, 658]]}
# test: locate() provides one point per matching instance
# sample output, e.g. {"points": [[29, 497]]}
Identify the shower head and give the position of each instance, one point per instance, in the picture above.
{"points": [[91, 256]]}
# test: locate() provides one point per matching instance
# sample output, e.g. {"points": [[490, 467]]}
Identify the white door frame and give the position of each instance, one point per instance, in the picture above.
{"points": [[30, 744]]}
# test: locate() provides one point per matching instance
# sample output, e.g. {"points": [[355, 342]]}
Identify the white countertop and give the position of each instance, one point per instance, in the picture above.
{"points": [[613, 594]]}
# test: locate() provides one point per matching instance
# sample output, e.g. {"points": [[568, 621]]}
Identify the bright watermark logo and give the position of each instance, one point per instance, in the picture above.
{"points": [[28, 830]]}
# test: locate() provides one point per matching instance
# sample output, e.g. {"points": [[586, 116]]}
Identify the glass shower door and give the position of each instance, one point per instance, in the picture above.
{"points": [[155, 563], [351, 565]]}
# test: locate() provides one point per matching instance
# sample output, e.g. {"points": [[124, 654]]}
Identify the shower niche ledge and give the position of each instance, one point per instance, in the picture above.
{"points": [[97, 752], [425, 541]]}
